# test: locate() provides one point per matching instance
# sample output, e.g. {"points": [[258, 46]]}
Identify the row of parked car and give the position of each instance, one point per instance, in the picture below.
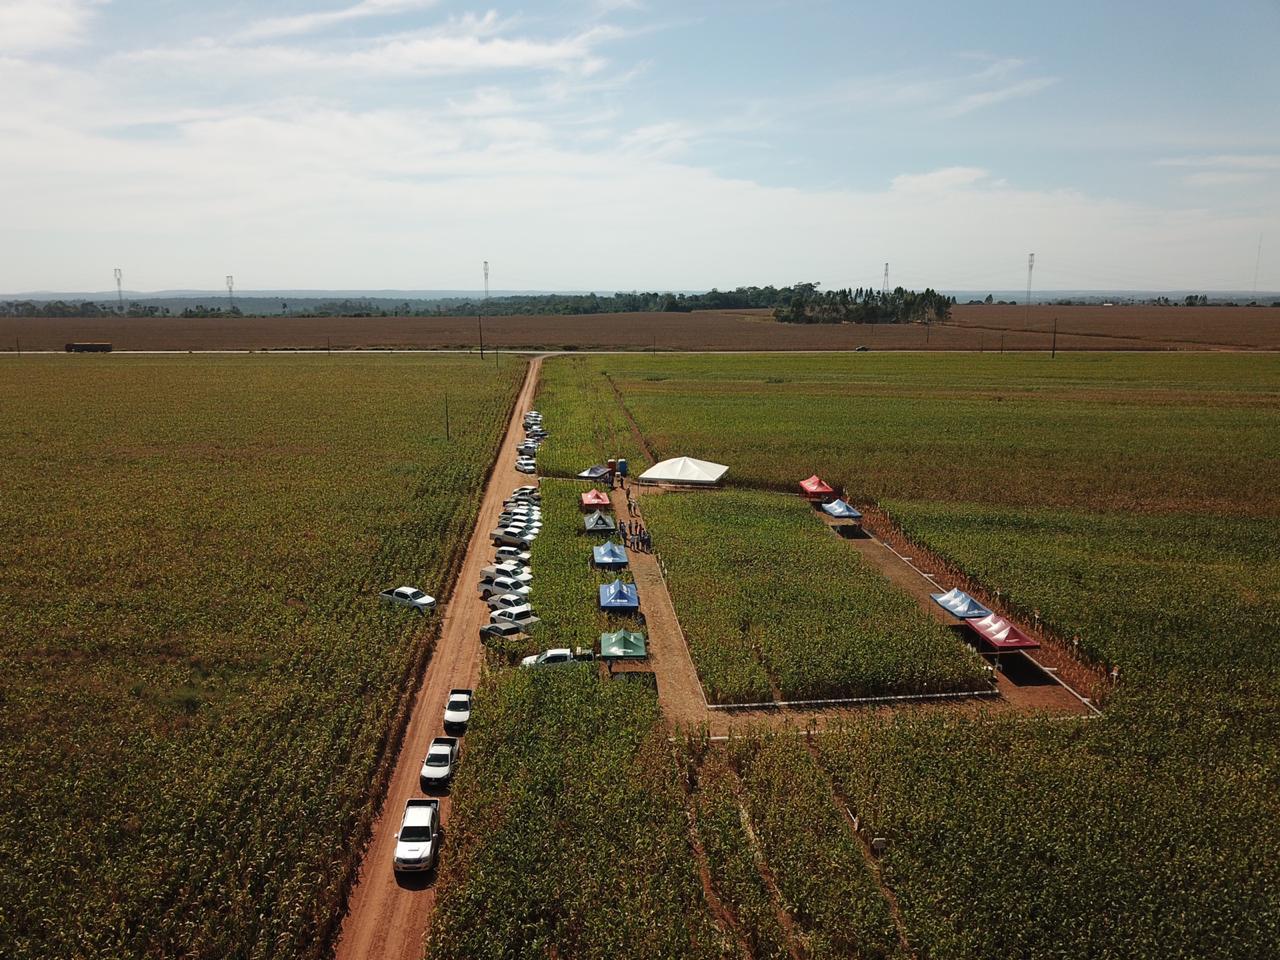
{"points": [[418, 839], [534, 435]]}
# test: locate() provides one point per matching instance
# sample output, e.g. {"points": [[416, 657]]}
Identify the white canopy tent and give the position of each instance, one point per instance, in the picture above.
{"points": [[684, 470]]}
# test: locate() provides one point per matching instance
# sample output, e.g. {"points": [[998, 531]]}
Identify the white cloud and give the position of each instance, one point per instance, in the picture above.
{"points": [[1230, 161], [462, 46], [985, 98], [310, 22], [949, 178], [1221, 178], [33, 26]]}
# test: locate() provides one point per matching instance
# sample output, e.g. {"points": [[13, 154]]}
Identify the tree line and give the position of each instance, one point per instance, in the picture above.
{"points": [[806, 304]]}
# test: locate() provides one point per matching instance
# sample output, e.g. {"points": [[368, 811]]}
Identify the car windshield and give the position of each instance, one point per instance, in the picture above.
{"points": [[415, 834], [437, 760], [416, 594], [457, 705]]}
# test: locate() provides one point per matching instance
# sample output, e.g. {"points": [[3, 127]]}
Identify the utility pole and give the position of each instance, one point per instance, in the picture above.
{"points": [[1053, 351], [480, 319], [18, 341], [1002, 344], [446, 416], [328, 345], [1026, 308]]}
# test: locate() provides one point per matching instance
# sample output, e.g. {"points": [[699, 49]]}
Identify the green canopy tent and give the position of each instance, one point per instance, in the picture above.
{"points": [[622, 645]]}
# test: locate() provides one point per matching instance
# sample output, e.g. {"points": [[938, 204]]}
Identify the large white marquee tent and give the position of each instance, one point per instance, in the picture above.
{"points": [[684, 470]]}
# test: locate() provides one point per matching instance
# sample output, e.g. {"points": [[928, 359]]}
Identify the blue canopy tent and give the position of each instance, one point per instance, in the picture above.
{"points": [[610, 556], [598, 472], [619, 597], [599, 523], [841, 510], [960, 604]]}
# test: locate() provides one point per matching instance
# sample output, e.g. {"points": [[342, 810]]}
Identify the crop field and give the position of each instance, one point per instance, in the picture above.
{"points": [[777, 608], [1129, 501], [569, 835], [198, 680], [986, 328]]}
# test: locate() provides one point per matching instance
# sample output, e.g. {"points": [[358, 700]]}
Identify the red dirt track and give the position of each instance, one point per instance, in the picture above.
{"points": [[978, 327], [387, 917]]}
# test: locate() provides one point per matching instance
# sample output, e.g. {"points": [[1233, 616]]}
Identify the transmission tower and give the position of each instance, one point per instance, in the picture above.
{"points": [[1026, 309], [1256, 264], [486, 280], [120, 288], [231, 291], [884, 285]]}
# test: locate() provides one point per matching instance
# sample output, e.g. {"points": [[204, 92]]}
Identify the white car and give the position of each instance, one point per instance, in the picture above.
{"points": [[457, 709], [512, 598], [511, 555], [511, 571], [418, 840], [409, 597], [521, 615], [508, 537], [553, 657], [527, 465], [440, 762], [504, 592]]}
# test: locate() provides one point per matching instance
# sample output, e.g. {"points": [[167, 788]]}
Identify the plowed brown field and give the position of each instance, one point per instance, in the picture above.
{"points": [[978, 327]]}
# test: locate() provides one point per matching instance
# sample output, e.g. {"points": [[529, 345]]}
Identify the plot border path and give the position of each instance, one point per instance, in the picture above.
{"points": [[387, 917]]}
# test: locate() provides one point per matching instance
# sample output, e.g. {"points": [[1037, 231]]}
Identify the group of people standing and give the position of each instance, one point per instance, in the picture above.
{"points": [[635, 536]]}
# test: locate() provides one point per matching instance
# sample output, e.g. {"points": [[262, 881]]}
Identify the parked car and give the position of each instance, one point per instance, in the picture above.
{"points": [[521, 615], [526, 465], [512, 598], [527, 449], [409, 597], [418, 839], [508, 571], [556, 656], [520, 522], [511, 555], [507, 537], [527, 491], [457, 709], [440, 762], [501, 631]]}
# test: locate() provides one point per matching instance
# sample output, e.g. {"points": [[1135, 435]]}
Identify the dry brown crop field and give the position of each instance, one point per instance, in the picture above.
{"points": [[972, 328]]}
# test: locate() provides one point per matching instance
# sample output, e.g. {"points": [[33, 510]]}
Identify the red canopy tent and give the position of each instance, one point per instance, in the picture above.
{"points": [[595, 500], [815, 488], [1001, 634]]}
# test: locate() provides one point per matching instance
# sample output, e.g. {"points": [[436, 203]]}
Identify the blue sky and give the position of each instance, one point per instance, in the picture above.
{"points": [[616, 144]]}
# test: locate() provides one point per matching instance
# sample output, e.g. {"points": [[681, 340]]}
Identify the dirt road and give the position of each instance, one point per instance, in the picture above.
{"points": [[388, 916]]}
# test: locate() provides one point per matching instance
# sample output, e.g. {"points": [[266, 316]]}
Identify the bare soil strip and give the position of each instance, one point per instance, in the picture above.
{"points": [[785, 920], [842, 807], [387, 917]]}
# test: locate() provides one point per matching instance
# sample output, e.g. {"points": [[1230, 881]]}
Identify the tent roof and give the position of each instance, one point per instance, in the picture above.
{"points": [[1002, 634], [684, 470], [599, 521], [838, 508], [619, 596], [594, 498], [624, 644], [960, 604], [609, 554], [816, 484], [594, 473]]}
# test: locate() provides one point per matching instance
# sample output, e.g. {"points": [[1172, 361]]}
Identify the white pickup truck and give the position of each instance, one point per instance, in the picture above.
{"points": [[409, 597], [418, 840], [457, 709], [440, 762], [556, 656]]}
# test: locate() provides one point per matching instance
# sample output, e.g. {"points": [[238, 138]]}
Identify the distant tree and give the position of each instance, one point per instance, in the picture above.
{"points": [[988, 300]]}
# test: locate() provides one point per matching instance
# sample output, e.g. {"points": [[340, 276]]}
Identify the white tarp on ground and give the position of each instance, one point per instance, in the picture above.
{"points": [[684, 470]]}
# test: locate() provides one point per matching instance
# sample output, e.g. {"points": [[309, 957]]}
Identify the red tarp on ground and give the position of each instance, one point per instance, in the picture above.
{"points": [[595, 499], [1002, 634], [816, 488]]}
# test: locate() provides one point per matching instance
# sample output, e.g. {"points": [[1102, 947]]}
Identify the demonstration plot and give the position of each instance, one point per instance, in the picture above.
{"points": [[776, 608]]}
